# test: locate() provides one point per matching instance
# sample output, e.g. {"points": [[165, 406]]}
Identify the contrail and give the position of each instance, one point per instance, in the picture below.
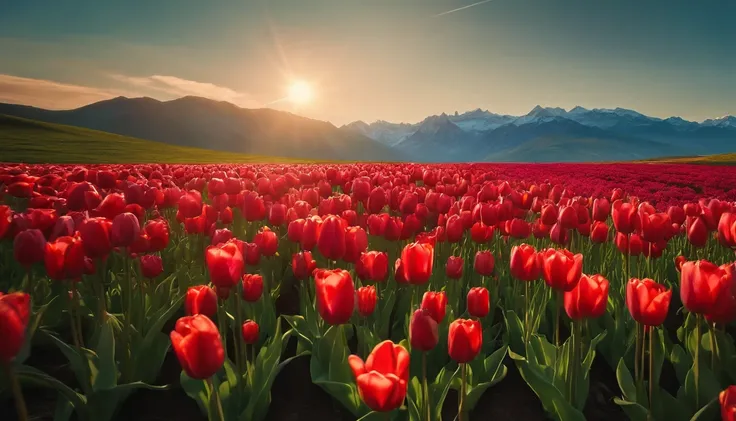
{"points": [[461, 8]]}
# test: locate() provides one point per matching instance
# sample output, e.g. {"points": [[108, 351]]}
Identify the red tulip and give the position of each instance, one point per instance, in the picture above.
{"points": [[267, 241], [20, 189], [29, 247], [464, 340], [252, 287], [335, 295], [356, 242], [372, 266], [221, 236], [697, 231], [727, 399], [648, 301], [568, 218], [436, 304], [601, 210], [417, 261], [679, 260], [250, 332], [151, 266], [481, 233], [399, 272], [478, 302], [701, 284], [625, 217], [561, 269], [599, 232], [518, 228], [525, 263], [654, 227], [484, 263], [549, 214], [588, 299], [724, 309], [367, 299], [726, 229], [423, 330], [454, 267], [95, 234], [201, 299], [303, 265], [382, 380], [158, 234], [198, 346], [225, 264], [64, 259], [6, 217], [15, 312], [190, 204], [311, 232], [631, 245]]}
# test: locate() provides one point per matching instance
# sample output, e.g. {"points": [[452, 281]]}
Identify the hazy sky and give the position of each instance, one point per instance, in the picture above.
{"points": [[393, 60]]}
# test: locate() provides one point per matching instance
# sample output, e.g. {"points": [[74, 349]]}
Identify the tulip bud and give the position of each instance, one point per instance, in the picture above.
{"points": [[250, 332]]}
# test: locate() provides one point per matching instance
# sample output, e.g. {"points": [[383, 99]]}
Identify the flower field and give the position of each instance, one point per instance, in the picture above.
{"points": [[367, 291]]}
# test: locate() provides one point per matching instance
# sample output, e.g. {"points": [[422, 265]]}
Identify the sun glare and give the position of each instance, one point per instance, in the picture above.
{"points": [[300, 92]]}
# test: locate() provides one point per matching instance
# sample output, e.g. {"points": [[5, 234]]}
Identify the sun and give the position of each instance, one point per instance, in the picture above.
{"points": [[300, 92]]}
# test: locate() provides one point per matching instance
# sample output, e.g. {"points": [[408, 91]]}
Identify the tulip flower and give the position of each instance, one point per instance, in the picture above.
{"points": [[382, 379], [267, 241], [335, 295], [724, 309], [198, 346], [417, 261], [524, 263], [151, 266], [29, 247], [648, 301], [727, 399], [727, 230], [601, 210], [302, 265], [478, 302], [484, 263], [356, 242], [95, 234], [399, 272], [367, 298], [225, 264], [158, 234], [250, 332], [625, 217], [588, 299], [252, 287], [464, 340], [423, 330], [201, 299], [124, 230], [372, 266], [701, 284], [561, 269], [454, 267], [190, 204], [436, 304], [221, 236], [64, 259], [15, 312], [599, 232], [697, 231]]}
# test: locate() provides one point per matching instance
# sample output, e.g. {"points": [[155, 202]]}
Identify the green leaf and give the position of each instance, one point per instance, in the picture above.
{"points": [[668, 408], [148, 364], [32, 376], [197, 390], [64, 408], [105, 403], [490, 372], [515, 332], [415, 399], [633, 410], [440, 388], [708, 412], [552, 399], [81, 364], [330, 370], [709, 388], [625, 381], [681, 361], [107, 369], [31, 328], [302, 331]]}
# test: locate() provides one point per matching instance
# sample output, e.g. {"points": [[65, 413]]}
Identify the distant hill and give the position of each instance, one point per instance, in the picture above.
{"points": [[203, 123], [23, 140], [547, 134]]}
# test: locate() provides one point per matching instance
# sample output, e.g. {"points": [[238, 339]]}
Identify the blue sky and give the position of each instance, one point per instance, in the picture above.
{"points": [[394, 60]]}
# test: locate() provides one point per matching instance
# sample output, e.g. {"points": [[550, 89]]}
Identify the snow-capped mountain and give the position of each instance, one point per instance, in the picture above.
{"points": [[552, 133]]}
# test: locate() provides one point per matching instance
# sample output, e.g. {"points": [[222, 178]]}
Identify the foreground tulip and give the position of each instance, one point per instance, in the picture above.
{"points": [[727, 399], [561, 268], [267, 241], [382, 379], [588, 299], [648, 301], [417, 260], [331, 242], [464, 340], [625, 217], [252, 287], [64, 259], [724, 309], [423, 330], [436, 304], [727, 230], [335, 295], [303, 265], [225, 264], [198, 346], [367, 298], [478, 302], [250, 332], [95, 234], [372, 266], [701, 284], [15, 310], [151, 266], [484, 263], [525, 263], [201, 299]]}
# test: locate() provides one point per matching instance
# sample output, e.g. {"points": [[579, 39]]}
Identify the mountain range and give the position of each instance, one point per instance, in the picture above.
{"points": [[548, 134], [216, 125], [545, 134]]}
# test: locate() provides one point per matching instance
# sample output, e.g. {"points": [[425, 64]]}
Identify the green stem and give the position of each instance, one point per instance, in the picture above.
{"points": [[215, 398], [696, 367], [651, 368], [713, 347], [462, 392], [526, 312], [643, 352], [72, 318], [557, 319], [427, 405], [20, 403], [239, 345], [637, 356], [128, 315]]}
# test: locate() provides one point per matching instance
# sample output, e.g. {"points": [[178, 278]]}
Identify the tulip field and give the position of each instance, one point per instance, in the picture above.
{"points": [[249, 292]]}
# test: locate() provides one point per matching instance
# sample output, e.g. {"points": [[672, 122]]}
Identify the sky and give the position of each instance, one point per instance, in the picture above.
{"points": [[394, 60]]}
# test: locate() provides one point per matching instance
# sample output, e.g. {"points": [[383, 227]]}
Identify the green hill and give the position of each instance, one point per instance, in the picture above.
{"points": [[31, 141], [718, 159]]}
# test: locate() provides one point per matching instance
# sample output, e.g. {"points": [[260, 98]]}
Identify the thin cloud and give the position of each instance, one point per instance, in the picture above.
{"points": [[50, 94], [178, 87], [461, 8]]}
